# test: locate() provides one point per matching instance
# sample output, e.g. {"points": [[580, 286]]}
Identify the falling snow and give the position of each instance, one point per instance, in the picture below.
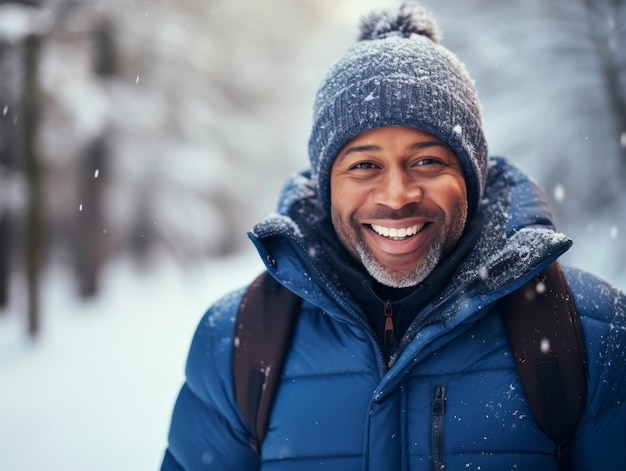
{"points": [[559, 193], [614, 232]]}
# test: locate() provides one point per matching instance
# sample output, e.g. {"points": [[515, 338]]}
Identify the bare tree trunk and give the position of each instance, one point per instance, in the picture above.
{"points": [[34, 224], [8, 153], [90, 248], [605, 22], [5, 260]]}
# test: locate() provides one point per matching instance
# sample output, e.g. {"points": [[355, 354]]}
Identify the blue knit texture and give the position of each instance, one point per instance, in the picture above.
{"points": [[397, 76]]}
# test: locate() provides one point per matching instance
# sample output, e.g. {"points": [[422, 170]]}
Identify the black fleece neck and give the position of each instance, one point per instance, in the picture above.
{"points": [[405, 302]]}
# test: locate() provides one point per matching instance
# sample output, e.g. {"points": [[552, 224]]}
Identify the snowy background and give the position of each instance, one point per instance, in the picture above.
{"points": [[204, 114]]}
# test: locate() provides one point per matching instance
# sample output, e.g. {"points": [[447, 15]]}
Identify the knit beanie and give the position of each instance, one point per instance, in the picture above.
{"points": [[397, 74]]}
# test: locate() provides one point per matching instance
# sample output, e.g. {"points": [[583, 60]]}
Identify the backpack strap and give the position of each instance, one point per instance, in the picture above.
{"points": [[546, 339], [263, 330]]}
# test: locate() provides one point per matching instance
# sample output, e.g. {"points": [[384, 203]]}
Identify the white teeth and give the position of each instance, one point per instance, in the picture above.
{"points": [[395, 233]]}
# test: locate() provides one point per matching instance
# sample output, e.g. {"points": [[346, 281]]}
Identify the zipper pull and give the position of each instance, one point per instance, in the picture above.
{"points": [[390, 336], [439, 403], [437, 452]]}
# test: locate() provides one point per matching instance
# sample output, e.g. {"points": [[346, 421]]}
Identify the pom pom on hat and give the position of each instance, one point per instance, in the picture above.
{"points": [[398, 75], [407, 20]]}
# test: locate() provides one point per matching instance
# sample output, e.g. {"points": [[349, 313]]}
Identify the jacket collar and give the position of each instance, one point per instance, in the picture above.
{"points": [[517, 239]]}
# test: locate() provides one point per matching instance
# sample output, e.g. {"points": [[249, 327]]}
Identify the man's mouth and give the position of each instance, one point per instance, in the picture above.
{"points": [[397, 233]]}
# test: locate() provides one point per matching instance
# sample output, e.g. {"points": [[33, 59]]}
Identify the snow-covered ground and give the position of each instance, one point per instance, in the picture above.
{"points": [[96, 391]]}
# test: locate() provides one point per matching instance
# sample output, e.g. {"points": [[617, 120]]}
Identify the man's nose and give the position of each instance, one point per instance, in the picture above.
{"points": [[397, 189]]}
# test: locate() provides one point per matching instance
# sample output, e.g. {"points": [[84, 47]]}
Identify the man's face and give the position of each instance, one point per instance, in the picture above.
{"points": [[398, 202]]}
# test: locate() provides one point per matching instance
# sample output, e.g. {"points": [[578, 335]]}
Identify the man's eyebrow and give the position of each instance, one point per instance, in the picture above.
{"points": [[427, 144], [374, 148], [357, 149]]}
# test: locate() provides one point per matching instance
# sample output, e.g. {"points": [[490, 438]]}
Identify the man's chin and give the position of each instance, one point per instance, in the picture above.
{"points": [[394, 280], [400, 279]]}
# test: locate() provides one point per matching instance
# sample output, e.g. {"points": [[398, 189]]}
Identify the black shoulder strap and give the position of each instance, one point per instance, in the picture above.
{"points": [[263, 330], [545, 336]]}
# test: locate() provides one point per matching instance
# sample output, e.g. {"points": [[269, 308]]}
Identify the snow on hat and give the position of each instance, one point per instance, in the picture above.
{"points": [[398, 75]]}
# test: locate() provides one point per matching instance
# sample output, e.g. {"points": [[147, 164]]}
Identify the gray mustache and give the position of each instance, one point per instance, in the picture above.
{"points": [[407, 211]]}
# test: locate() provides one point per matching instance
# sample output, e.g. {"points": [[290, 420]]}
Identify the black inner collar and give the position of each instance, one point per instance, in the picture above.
{"points": [[407, 302]]}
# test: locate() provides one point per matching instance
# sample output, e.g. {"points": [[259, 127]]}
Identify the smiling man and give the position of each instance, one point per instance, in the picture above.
{"points": [[398, 202], [402, 241]]}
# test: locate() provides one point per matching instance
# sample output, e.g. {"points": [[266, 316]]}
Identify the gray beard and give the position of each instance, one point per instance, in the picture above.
{"points": [[388, 278]]}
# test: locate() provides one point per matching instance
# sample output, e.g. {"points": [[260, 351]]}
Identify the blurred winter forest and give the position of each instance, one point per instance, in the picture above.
{"points": [[162, 131]]}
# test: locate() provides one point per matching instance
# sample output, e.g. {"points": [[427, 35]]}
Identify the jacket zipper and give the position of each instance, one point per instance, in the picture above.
{"points": [[390, 337], [436, 438]]}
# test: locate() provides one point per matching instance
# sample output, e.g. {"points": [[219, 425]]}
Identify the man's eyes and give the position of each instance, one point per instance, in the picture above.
{"points": [[428, 161], [421, 162], [364, 165]]}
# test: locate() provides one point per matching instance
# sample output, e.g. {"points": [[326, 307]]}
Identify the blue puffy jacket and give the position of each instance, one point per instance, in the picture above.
{"points": [[339, 407]]}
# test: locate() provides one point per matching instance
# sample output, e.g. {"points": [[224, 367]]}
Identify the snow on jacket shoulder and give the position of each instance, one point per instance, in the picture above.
{"points": [[451, 398]]}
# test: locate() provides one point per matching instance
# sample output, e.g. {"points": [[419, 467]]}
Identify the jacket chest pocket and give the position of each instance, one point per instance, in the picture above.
{"points": [[481, 420]]}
